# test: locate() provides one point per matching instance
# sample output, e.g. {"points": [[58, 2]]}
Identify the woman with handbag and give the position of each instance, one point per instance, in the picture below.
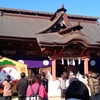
{"points": [[36, 89], [7, 91]]}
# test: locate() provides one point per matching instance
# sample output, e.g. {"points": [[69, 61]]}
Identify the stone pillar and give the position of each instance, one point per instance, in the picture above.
{"points": [[54, 70], [86, 68]]}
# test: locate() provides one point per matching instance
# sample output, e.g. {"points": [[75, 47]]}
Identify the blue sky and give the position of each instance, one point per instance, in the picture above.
{"points": [[78, 7]]}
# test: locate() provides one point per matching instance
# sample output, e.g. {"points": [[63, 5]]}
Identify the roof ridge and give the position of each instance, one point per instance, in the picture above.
{"points": [[23, 10], [45, 13]]}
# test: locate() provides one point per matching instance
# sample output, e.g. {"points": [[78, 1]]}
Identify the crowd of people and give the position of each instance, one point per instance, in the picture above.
{"points": [[80, 87], [26, 88], [73, 87]]}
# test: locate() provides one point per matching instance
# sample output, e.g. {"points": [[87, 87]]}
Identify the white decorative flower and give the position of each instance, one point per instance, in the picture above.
{"points": [[93, 62]]}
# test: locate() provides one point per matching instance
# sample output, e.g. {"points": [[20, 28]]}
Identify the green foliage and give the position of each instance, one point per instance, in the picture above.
{"points": [[6, 62]]}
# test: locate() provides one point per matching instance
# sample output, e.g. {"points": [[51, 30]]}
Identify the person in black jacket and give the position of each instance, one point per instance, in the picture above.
{"points": [[21, 87], [44, 81]]}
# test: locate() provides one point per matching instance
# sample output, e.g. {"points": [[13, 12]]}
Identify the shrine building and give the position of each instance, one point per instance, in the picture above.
{"points": [[68, 42]]}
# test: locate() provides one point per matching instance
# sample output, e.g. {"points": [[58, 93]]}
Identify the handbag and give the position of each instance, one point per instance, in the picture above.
{"points": [[34, 96]]}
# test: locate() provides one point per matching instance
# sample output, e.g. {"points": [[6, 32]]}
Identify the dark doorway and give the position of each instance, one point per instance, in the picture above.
{"points": [[35, 70], [60, 68]]}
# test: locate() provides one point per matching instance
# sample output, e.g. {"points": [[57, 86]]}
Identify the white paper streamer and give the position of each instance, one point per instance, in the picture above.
{"points": [[73, 62], [68, 61], [62, 60], [79, 61]]}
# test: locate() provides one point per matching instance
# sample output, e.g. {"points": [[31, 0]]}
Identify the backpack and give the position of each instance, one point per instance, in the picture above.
{"points": [[34, 96], [96, 86]]}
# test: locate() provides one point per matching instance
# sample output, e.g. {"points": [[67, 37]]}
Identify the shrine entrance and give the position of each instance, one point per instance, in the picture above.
{"points": [[65, 67]]}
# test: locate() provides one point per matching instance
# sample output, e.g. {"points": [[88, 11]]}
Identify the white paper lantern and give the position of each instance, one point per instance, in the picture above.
{"points": [[45, 62]]}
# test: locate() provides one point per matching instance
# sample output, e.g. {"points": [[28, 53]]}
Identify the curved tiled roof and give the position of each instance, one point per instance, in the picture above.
{"points": [[15, 25], [47, 38], [76, 36], [21, 26], [51, 25], [67, 38]]}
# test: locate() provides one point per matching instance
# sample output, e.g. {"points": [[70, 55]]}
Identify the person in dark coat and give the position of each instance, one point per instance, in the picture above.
{"points": [[44, 81], [21, 87]]}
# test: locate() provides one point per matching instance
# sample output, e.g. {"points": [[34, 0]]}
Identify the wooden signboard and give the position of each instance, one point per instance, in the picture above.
{"points": [[12, 68]]}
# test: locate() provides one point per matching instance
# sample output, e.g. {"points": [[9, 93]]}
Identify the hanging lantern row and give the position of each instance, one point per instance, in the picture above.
{"points": [[71, 62]]}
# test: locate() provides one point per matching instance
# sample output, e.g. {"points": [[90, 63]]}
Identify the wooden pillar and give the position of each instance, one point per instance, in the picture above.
{"points": [[54, 70], [29, 72], [86, 68]]}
